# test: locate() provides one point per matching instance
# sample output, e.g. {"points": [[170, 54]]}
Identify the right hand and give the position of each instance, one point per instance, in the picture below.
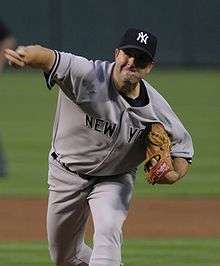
{"points": [[16, 58], [34, 56]]}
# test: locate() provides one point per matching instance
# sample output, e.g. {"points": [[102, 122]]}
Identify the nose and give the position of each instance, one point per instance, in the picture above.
{"points": [[131, 60]]}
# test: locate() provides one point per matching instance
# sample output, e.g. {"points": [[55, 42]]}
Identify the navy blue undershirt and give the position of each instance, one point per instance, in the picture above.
{"points": [[141, 100]]}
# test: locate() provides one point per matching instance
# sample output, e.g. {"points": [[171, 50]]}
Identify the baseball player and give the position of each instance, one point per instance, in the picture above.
{"points": [[104, 112]]}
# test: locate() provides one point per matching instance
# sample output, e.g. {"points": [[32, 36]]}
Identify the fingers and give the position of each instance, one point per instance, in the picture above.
{"points": [[14, 58], [170, 178], [153, 162], [22, 51]]}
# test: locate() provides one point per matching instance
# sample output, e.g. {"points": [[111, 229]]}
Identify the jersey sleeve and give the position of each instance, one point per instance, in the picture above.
{"points": [[181, 139], [182, 145], [67, 71]]}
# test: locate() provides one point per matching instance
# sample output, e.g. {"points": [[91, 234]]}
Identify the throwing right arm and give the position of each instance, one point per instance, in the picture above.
{"points": [[34, 56]]}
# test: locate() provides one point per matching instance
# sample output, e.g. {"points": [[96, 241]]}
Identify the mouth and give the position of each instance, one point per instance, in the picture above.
{"points": [[131, 72], [129, 69], [130, 75]]}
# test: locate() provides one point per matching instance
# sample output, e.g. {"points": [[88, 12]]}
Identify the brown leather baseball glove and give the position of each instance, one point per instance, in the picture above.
{"points": [[158, 159]]}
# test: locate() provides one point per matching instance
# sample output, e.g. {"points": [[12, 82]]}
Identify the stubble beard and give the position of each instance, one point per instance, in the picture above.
{"points": [[129, 80]]}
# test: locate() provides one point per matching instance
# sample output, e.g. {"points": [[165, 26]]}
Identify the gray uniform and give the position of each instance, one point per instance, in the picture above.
{"points": [[98, 142]]}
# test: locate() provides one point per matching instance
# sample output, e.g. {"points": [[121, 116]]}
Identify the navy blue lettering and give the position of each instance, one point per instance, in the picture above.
{"points": [[89, 121], [141, 133], [132, 133], [99, 123], [109, 128]]}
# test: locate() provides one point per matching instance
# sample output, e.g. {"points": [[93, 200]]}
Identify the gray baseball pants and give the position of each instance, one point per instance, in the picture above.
{"points": [[71, 198]]}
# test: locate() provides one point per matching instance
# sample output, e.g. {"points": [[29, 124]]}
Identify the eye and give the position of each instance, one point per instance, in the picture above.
{"points": [[127, 52], [144, 60], [142, 57]]}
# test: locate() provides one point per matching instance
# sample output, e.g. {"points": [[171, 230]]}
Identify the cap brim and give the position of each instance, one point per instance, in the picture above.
{"points": [[136, 47]]}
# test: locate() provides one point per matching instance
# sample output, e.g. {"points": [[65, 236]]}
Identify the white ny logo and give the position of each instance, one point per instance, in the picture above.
{"points": [[142, 37]]}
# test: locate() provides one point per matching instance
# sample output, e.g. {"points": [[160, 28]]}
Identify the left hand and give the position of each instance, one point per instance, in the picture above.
{"points": [[180, 166], [159, 166]]}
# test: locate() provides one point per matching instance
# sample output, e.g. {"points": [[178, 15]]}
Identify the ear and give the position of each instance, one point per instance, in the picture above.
{"points": [[149, 67], [116, 52]]}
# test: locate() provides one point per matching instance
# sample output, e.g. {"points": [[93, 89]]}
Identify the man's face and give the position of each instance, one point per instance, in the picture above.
{"points": [[131, 65]]}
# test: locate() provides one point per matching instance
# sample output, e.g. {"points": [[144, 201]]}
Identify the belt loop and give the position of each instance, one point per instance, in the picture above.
{"points": [[54, 155]]}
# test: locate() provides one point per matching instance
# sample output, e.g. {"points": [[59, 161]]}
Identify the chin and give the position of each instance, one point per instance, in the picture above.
{"points": [[130, 76], [131, 79]]}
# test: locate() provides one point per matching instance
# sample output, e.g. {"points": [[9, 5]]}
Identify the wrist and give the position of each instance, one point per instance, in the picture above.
{"points": [[39, 57]]}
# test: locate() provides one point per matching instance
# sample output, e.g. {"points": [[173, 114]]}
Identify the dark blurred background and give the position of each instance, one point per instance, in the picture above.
{"points": [[188, 31]]}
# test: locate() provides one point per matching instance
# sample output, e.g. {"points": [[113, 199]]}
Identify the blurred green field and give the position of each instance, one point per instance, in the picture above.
{"points": [[26, 118], [178, 252]]}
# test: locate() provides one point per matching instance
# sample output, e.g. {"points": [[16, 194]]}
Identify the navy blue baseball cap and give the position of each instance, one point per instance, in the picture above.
{"points": [[139, 39]]}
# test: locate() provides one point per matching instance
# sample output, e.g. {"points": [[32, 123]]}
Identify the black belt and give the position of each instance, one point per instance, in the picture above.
{"points": [[55, 156]]}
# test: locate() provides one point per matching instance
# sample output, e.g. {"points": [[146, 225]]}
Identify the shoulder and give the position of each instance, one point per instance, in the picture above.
{"points": [[161, 109], [155, 97], [102, 69], [83, 64]]}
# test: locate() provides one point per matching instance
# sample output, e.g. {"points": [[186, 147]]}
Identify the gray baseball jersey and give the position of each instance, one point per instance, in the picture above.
{"points": [[100, 134], [96, 131]]}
